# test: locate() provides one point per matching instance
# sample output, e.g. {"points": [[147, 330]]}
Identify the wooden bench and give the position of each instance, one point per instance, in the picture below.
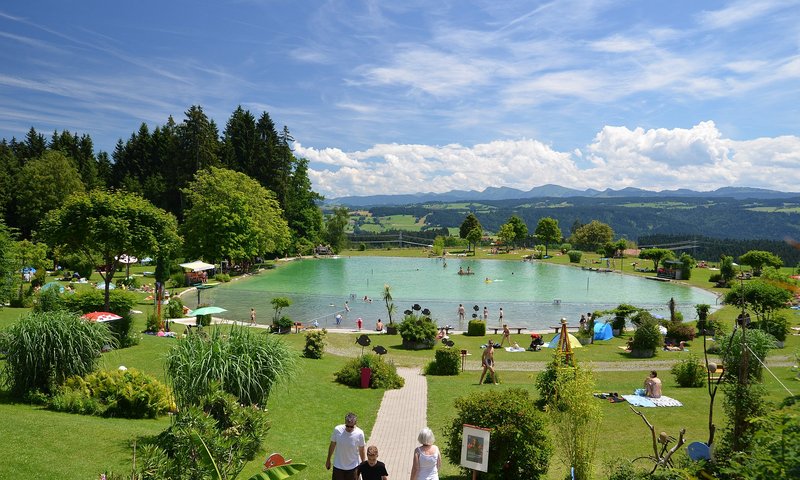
{"points": [[557, 329], [518, 329]]}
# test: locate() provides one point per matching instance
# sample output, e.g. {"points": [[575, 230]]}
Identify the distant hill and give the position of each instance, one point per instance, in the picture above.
{"points": [[553, 191]]}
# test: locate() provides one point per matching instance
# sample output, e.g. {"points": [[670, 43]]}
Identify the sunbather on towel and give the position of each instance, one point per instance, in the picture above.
{"points": [[652, 385]]}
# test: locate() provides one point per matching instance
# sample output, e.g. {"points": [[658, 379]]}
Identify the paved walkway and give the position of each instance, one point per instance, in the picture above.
{"points": [[403, 413]]}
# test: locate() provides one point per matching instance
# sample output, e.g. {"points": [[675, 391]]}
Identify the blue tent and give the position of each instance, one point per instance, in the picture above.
{"points": [[602, 331]]}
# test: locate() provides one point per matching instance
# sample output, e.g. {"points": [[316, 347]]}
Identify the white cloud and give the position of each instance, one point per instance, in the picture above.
{"points": [[655, 159]]}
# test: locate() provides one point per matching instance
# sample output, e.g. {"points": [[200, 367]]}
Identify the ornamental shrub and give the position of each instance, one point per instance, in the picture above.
{"points": [[49, 300], [447, 361], [175, 308], [44, 349], [384, 373], [689, 372], [121, 394], [645, 340], [476, 328], [520, 446], [231, 433], [222, 277], [246, 363], [679, 332], [315, 343], [575, 256], [119, 302], [418, 330]]}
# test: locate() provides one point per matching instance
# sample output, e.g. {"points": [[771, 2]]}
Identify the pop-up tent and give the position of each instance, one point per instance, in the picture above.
{"points": [[574, 342], [602, 331]]}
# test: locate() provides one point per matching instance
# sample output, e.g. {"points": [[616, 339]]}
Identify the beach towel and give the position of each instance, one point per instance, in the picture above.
{"points": [[515, 349], [647, 402]]}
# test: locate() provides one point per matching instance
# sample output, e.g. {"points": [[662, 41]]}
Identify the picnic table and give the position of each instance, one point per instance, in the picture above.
{"points": [[557, 328], [518, 329]]}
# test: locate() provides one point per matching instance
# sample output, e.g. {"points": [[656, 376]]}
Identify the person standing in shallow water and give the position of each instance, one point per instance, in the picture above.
{"points": [[461, 312], [253, 316]]}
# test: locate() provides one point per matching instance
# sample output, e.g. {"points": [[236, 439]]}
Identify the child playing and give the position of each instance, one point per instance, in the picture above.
{"points": [[372, 469]]}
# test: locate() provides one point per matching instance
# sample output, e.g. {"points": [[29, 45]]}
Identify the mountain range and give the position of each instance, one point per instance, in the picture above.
{"points": [[554, 191]]}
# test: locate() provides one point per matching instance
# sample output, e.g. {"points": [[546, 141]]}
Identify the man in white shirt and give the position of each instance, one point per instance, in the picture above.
{"points": [[347, 448]]}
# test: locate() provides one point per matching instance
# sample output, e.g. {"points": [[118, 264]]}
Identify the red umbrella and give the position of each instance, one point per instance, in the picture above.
{"points": [[101, 316]]}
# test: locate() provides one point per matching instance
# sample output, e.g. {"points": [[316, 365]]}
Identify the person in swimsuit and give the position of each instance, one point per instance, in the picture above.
{"points": [[427, 460], [487, 360]]}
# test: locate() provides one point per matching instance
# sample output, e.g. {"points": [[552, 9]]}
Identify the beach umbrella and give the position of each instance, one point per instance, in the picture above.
{"points": [[49, 285], [207, 311], [127, 260], [101, 316], [102, 286]]}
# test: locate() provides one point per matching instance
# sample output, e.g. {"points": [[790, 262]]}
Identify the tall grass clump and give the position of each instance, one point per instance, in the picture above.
{"points": [[244, 363], [44, 349]]}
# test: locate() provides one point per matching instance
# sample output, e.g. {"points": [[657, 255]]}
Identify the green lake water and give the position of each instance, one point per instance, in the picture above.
{"points": [[533, 295]]}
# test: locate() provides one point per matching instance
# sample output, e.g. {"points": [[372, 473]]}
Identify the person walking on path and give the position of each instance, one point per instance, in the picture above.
{"points": [[347, 448], [487, 360], [427, 460], [372, 469]]}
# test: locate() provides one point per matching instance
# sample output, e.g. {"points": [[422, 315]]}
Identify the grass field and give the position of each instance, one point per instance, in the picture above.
{"points": [[43, 444]]}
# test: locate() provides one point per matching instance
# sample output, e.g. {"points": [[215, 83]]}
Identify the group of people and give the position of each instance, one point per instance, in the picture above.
{"points": [[353, 460]]}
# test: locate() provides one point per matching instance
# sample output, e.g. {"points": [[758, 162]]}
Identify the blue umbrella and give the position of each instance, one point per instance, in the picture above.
{"points": [[28, 270], [102, 286]]}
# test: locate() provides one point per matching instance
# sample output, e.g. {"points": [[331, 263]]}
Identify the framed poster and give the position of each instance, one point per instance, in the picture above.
{"points": [[475, 448]]}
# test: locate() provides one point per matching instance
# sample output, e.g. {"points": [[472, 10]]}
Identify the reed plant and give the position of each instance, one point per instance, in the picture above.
{"points": [[246, 364], [45, 348]]}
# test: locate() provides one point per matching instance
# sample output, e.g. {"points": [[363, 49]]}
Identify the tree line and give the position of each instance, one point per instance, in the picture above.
{"points": [[158, 163]]}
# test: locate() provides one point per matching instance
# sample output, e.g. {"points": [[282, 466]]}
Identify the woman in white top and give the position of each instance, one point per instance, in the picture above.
{"points": [[427, 459]]}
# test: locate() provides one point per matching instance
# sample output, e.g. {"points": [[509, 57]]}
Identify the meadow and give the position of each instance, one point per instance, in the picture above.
{"points": [[303, 409]]}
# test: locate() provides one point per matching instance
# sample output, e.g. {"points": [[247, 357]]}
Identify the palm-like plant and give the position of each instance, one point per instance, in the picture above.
{"points": [[387, 297]]}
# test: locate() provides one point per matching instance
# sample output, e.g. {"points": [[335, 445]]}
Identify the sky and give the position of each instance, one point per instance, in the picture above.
{"points": [[388, 97]]}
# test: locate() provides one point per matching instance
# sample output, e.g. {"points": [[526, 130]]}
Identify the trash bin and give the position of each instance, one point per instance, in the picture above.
{"points": [[366, 373]]}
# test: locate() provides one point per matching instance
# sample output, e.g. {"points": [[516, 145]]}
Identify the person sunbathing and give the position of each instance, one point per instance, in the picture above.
{"points": [[652, 385], [676, 348]]}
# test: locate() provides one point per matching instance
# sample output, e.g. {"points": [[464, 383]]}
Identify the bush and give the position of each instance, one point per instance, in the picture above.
{"points": [[520, 446], [283, 325], [384, 374], [418, 331], [247, 364], [689, 373], [178, 280], [231, 433], [575, 256], [565, 247], [153, 324], [175, 308], [778, 327], [315, 343], [130, 283], [645, 340], [679, 332], [546, 379], [44, 349], [49, 300], [476, 328], [222, 277], [122, 394], [447, 361]]}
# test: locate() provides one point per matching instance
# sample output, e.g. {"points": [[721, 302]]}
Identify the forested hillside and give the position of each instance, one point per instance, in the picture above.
{"points": [[157, 162]]}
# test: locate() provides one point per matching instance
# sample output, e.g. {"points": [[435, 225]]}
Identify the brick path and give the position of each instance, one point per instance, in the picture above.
{"points": [[402, 414]]}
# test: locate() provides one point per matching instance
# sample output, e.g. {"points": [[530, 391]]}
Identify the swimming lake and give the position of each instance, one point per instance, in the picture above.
{"points": [[533, 295]]}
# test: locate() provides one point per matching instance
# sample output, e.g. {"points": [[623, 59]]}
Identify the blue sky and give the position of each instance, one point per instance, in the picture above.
{"points": [[403, 97]]}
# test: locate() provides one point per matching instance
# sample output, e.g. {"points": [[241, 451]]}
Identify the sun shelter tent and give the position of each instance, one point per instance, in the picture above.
{"points": [[574, 342], [602, 331], [196, 272]]}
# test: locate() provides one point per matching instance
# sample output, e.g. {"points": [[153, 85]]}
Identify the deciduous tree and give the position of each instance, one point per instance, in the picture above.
{"points": [[548, 232], [468, 225], [103, 226], [232, 217], [657, 255], [757, 259], [592, 235]]}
